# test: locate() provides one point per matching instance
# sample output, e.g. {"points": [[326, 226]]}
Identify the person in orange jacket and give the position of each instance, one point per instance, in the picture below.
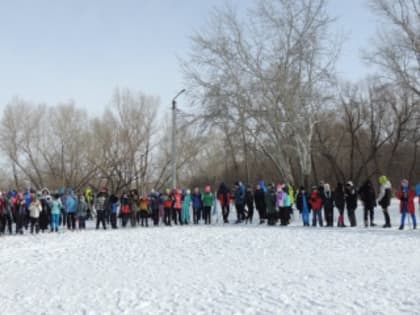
{"points": [[315, 200], [406, 196]]}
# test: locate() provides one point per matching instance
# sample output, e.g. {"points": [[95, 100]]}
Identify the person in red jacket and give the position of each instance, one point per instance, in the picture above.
{"points": [[315, 201], [224, 196], [406, 196]]}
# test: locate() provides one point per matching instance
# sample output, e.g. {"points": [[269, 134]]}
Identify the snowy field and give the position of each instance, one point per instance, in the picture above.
{"points": [[214, 270]]}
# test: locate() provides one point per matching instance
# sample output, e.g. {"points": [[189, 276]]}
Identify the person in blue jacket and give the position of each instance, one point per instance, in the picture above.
{"points": [[302, 203], [239, 196], [197, 205], [70, 205]]}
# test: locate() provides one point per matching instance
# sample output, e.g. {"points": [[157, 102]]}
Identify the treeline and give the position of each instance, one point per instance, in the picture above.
{"points": [[266, 103]]}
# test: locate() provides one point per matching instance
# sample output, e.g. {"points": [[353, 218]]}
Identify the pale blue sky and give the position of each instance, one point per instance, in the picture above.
{"points": [[57, 50]]}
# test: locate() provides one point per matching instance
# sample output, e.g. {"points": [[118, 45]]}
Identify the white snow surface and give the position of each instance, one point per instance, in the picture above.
{"points": [[219, 269]]}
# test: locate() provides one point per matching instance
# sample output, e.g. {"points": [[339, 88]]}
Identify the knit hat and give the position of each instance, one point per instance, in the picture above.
{"points": [[350, 183], [404, 183], [383, 179]]}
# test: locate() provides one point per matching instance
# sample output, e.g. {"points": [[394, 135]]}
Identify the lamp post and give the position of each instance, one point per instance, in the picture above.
{"points": [[174, 138]]}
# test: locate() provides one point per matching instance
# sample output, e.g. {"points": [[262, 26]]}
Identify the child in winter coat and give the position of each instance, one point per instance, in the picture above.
{"points": [[328, 201], [315, 201], [144, 210], [186, 203], [176, 214], [82, 208], [249, 200], [135, 209], [197, 205], [55, 206], [259, 197], [125, 209], [35, 209], [207, 200], [154, 206], [302, 203], [283, 205], [6, 217], [339, 201], [406, 196], [270, 201], [167, 201], [224, 196], [384, 198], [113, 204]]}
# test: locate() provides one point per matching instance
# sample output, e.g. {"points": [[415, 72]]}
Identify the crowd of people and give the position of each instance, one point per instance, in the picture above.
{"points": [[45, 211]]}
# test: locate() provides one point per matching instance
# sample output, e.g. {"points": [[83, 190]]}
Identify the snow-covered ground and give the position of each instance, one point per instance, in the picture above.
{"points": [[213, 270]]}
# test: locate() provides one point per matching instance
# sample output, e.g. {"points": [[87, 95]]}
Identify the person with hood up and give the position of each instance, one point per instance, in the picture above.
{"points": [[351, 202], [259, 197], [167, 201], [197, 205], [283, 204], [113, 203], [144, 210], [186, 204], [384, 198], [302, 203], [368, 197], [406, 196], [328, 201], [44, 218], [239, 196], [224, 196], [340, 202]]}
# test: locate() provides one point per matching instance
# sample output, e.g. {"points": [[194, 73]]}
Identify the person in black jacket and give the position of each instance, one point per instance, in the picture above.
{"points": [[384, 198], [351, 202], [328, 201], [302, 203], [368, 197], [249, 200], [259, 197], [339, 201]]}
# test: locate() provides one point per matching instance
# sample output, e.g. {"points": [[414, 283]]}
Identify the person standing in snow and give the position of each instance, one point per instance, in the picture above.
{"points": [[351, 202], [55, 206], [154, 206], [302, 203], [283, 204], [20, 214], [384, 198], [5, 215], [270, 202], [144, 210], [35, 209], [328, 201], [197, 205], [315, 200], [207, 199], [167, 201], [259, 197], [177, 205], [249, 201], [186, 204], [82, 208], [113, 206], [100, 205], [224, 196], [340, 202], [368, 197], [239, 196], [406, 196], [135, 209], [70, 204], [125, 209], [44, 218]]}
